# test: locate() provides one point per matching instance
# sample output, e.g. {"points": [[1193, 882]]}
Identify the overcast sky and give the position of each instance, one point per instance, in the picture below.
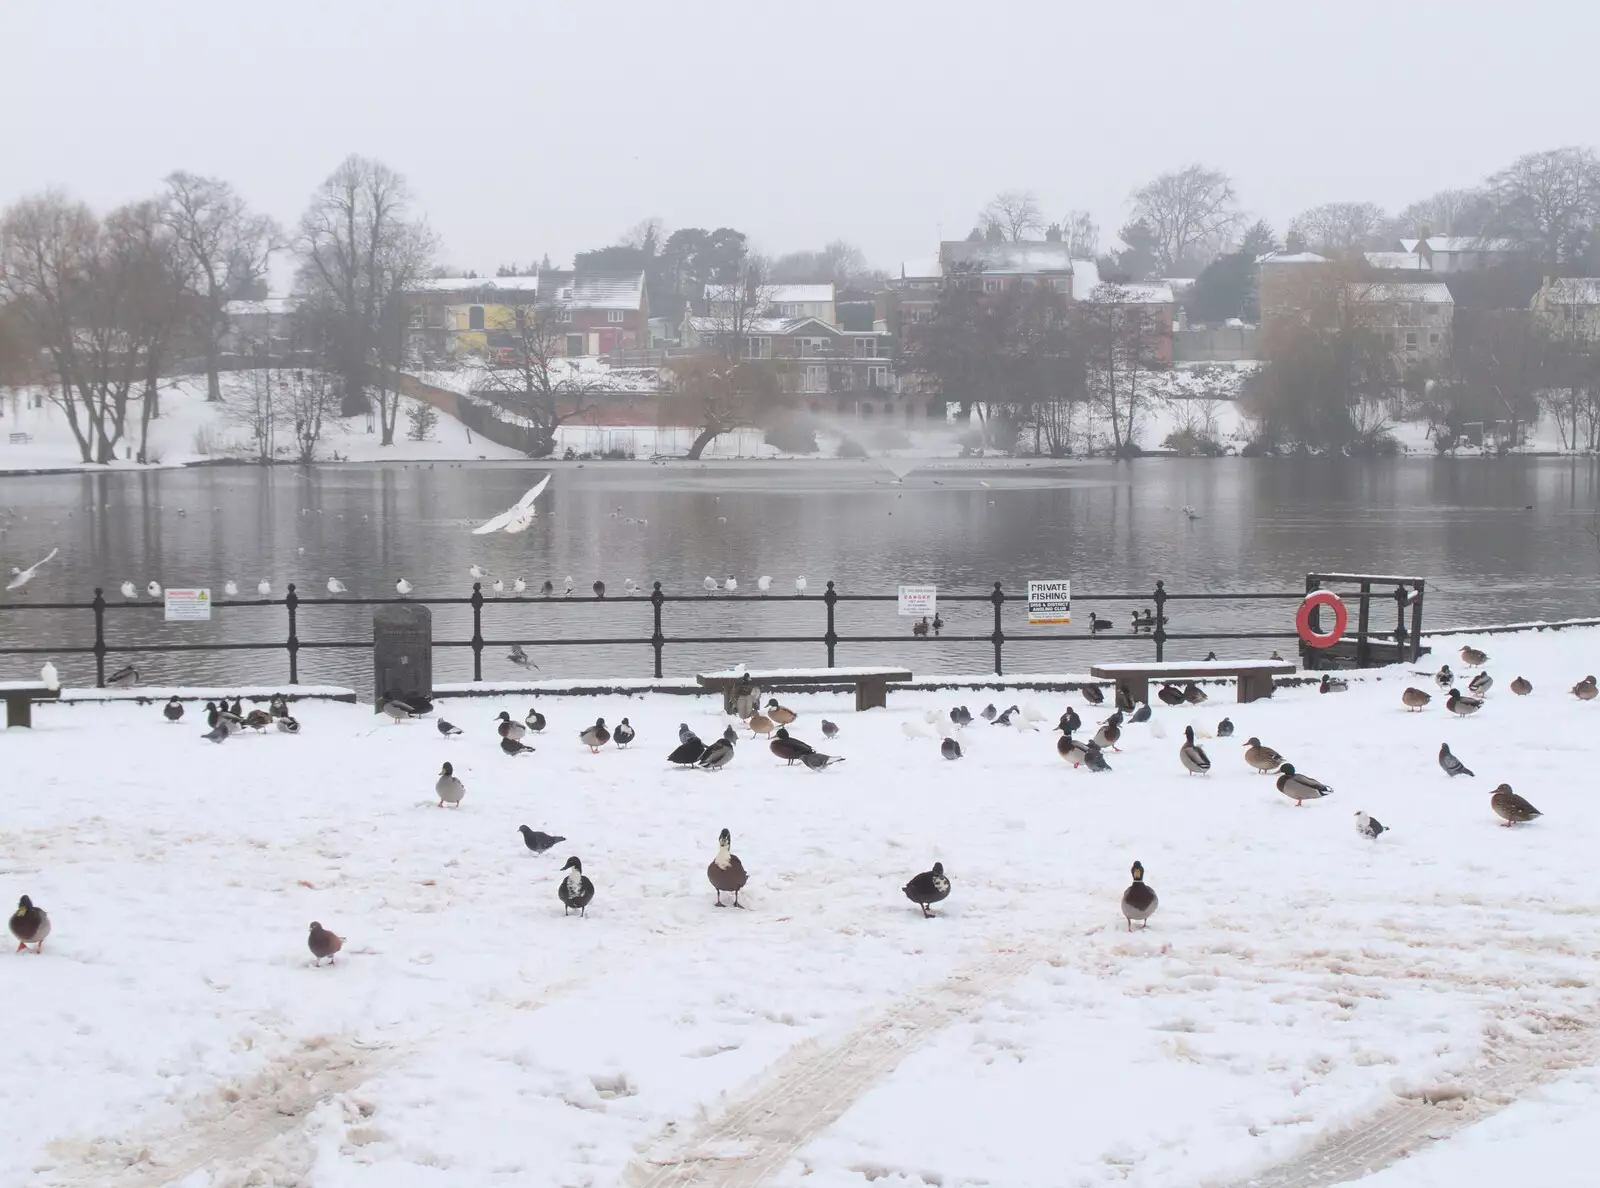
{"points": [[538, 127]]}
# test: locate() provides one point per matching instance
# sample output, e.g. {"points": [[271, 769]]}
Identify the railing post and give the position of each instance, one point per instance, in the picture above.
{"points": [[830, 637], [1364, 623], [997, 596], [1313, 620], [1400, 623], [1160, 633], [292, 601], [477, 631], [657, 639], [99, 638], [1416, 624]]}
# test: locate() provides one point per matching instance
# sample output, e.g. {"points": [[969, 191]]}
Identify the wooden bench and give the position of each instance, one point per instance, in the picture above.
{"points": [[1254, 676], [870, 684], [19, 698]]}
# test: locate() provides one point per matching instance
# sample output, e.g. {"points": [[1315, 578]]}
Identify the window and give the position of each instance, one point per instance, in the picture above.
{"points": [[1433, 339], [613, 315], [816, 379], [574, 344], [566, 313], [475, 317], [877, 377], [866, 348], [1411, 341], [810, 348], [758, 347], [1062, 286], [991, 286]]}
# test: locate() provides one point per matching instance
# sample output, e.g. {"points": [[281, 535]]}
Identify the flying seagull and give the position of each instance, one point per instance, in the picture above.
{"points": [[21, 577], [518, 516]]}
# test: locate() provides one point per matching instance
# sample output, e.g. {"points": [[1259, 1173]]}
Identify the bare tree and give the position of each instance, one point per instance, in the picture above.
{"points": [[252, 398], [731, 384], [535, 379], [1191, 212], [1338, 228], [360, 251], [227, 248], [1449, 212], [1550, 200], [1081, 234], [158, 300], [1014, 212], [1117, 336]]}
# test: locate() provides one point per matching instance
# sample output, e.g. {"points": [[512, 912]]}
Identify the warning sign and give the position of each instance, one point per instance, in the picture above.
{"points": [[1049, 602], [918, 600], [188, 606]]}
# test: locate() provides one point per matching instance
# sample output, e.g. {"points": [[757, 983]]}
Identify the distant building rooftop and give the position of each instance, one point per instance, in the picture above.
{"points": [[1429, 293]]}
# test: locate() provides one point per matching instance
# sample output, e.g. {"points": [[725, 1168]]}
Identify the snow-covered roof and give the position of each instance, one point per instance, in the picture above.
{"points": [[1178, 284], [1085, 279], [1429, 293], [709, 327], [1409, 245], [1023, 258], [1133, 294], [1469, 243], [1398, 261], [775, 294], [1291, 258], [920, 270], [267, 307], [595, 290], [474, 284], [1572, 290]]}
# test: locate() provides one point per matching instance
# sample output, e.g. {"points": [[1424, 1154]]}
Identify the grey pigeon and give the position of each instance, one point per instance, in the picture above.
{"points": [[829, 729], [816, 760], [446, 729], [536, 841], [1368, 826], [950, 749], [1452, 766]]}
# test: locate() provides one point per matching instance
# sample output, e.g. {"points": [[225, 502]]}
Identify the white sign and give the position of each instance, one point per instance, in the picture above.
{"points": [[918, 601], [1049, 602], [188, 606]]}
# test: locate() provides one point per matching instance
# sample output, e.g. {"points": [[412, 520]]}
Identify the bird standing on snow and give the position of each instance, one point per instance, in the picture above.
{"points": [[950, 749], [817, 761], [1414, 698], [1452, 766], [288, 725], [397, 710], [931, 886], [449, 787], [30, 925], [788, 749], [1070, 721], [1093, 694], [1192, 755], [689, 749], [1093, 758], [596, 736], [1139, 902], [511, 746], [1263, 759], [782, 715], [535, 721], [1070, 749], [173, 710], [1330, 685], [1111, 731], [1521, 686], [831, 729], [1585, 690], [509, 728], [1480, 685], [1462, 706], [1193, 693], [726, 872], [759, 723], [1473, 658], [576, 891], [536, 841], [1368, 826], [1300, 788], [1170, 695], [446, 729], [1444, 678], [1510, 807], [278, 706], [717, 756], [623, 734], [1225, 728], [323, 943]]}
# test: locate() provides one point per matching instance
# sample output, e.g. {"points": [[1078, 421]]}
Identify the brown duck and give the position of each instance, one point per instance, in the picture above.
{"points": [[788, 749], [323, 943], [1263, 759], [1522, 686], [1585, 690], [726, 872], [759, 723], [1510, 807], [780, 714], [1414, 698], [1473, 657]]}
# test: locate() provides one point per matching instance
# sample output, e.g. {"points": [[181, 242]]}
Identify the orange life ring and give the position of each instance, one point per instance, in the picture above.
{"points": [[1302, 619]]}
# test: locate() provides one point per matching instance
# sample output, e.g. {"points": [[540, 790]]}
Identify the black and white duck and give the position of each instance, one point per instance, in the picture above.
{"points": [[322, 943], [1452, 766], [288, 724], [726, 872], [950, 749], [596, 736], [173, 710], [447, 729], [1369, 826], [1071, 749], [1170, 695], [1110, 732], [1511, 808], [1521, 686], [1480, 685], [512, 746], [1225, 728], [535, 721], [1093, 694], [575, 890], [449, 787], [786, 748], [623, 734], [1139, 902], [1192, 755], [397, 710], [1097, 624], [1333, 685], [509, 727], [929, 887], [1263, 759], [538, 841], [1298, 787], [30, 925], [688, 751], [1070, 722], [1414, 698], [817, 761], [1460, 705], [1444, 678], [717, 756]]}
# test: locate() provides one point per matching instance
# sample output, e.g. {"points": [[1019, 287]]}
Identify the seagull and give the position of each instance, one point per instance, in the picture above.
{"points": [[128, 590], [446, 728], [263, 587], [21, 577], [710, 584], [799, 585], [515, 518], [49, 675], [402, 587], [153, 589], [568, 590], [763, 583], [230, 588], [335, 586], [628, 586], [520, 587], [477, 571], [730, 585], [498, 586]]}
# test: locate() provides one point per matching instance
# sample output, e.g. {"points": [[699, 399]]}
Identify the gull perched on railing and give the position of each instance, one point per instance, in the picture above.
{"points": [[518, 516]]}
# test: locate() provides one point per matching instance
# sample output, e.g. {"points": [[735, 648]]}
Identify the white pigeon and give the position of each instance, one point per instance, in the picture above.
{"points": [[569, 584], [515, 518], [263, 587], [799, 585], [915, 730], [710, 583], [499, 587], [21, 577], [335, 586], [49, 675], [477, 571], [402, 587], [153, 589], [932, 717], [1033, 713], [519, 586], [128, 590], [763, 582], [730, 585], [230, 588]]}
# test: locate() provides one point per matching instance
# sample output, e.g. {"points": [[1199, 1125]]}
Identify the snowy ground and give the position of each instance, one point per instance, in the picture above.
{"points": [[1297, 981]]}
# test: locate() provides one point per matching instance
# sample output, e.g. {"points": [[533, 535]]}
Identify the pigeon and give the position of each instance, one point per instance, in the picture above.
{"points": [[684, 733], [335, 586], [278, 706], [623, 734], [567, 586], [173, 710], [831, 729], [950, 749], [960, 715], [1004, 719], [512, 747], [1368, 826], [1093, 758], [989, 713], [596, 736], [536, 841], [718, 755], [1225, 728], [21, 577], [323, 943], [726, 872], [30, 925], [402, 587], [1142, 714], [446, 728], [520, 658], [688, 752], [817, 761], [576, 891], [1070, 722], [449, 787], [730, 734], [217, 733], [931, 886], [1452, 766]]}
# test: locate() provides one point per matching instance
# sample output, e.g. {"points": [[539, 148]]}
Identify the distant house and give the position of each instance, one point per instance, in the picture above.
{"points": [[779, 301], [597, 313], [1462, 253], [602, 312], [1155, 300], [1397, 262], [1413, 317], [812, 357], [453, 315], [1289, 286], [267, 323], [1569, 307]]}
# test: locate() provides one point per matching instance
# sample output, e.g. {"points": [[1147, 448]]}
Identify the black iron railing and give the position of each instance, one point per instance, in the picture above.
{"points": [[1405, 645]]}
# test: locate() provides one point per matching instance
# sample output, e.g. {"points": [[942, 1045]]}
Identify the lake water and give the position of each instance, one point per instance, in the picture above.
{"points": [[1498, 540]]}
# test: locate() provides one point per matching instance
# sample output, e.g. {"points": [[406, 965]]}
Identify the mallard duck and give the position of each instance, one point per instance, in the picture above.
{"points": [[278, 706], [1192, 755], [448, 729], [1142, 714], [782, 715], [1193, 693], [288, 725], [1330, 685], [1369, 826], [513, 747], [231, 717], [1263, 759], [1110, 732], [536, 841], [1452, 766], [1170, 695], [1097, 624], [931, 886], [950, 749], [1139, 902], [124, 678], [596, 736], [535, 721], [1225, 728], [1092, 694], [1461, 706], [726, 872], [1299, 787], [687, 753], [1070, 722], [30, 925], [1070, 749], [449, 788], [938, 623], [173, 710], [786, 748], [575, 891], [623, 734], [1585, 690], [1414, 698], [510, 727], [1444, 678], [1480, 684], [1093, 758], [817, 761], [1124, 699], [919, 629], [1473, 658], [1521, 686], [831, 729], [989, 712], [258, 719], [1510, 807], [1275, 656], [322, 943], [759, 723], [718, 755]]}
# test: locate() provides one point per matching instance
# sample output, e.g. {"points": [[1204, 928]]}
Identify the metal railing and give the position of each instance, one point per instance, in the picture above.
{"points": [[1406, 640]]}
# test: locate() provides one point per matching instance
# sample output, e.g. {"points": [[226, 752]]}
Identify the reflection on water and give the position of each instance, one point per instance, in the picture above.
{"points": [[1498, 540]]}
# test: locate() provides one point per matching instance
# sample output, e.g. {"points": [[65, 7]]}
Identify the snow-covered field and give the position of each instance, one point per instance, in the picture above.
{"points": [[1298, 980]]}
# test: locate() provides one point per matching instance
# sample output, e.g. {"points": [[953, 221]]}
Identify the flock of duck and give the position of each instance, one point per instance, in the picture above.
{"points": [[30, 924]]}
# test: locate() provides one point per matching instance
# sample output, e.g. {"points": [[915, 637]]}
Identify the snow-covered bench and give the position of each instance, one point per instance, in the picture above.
{"points": [[1254, 676], [19, 697], [871, 684]]}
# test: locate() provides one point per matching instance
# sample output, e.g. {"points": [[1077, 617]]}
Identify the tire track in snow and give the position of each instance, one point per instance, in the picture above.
{"points": [[814, 1085], [1408, 1124]]}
